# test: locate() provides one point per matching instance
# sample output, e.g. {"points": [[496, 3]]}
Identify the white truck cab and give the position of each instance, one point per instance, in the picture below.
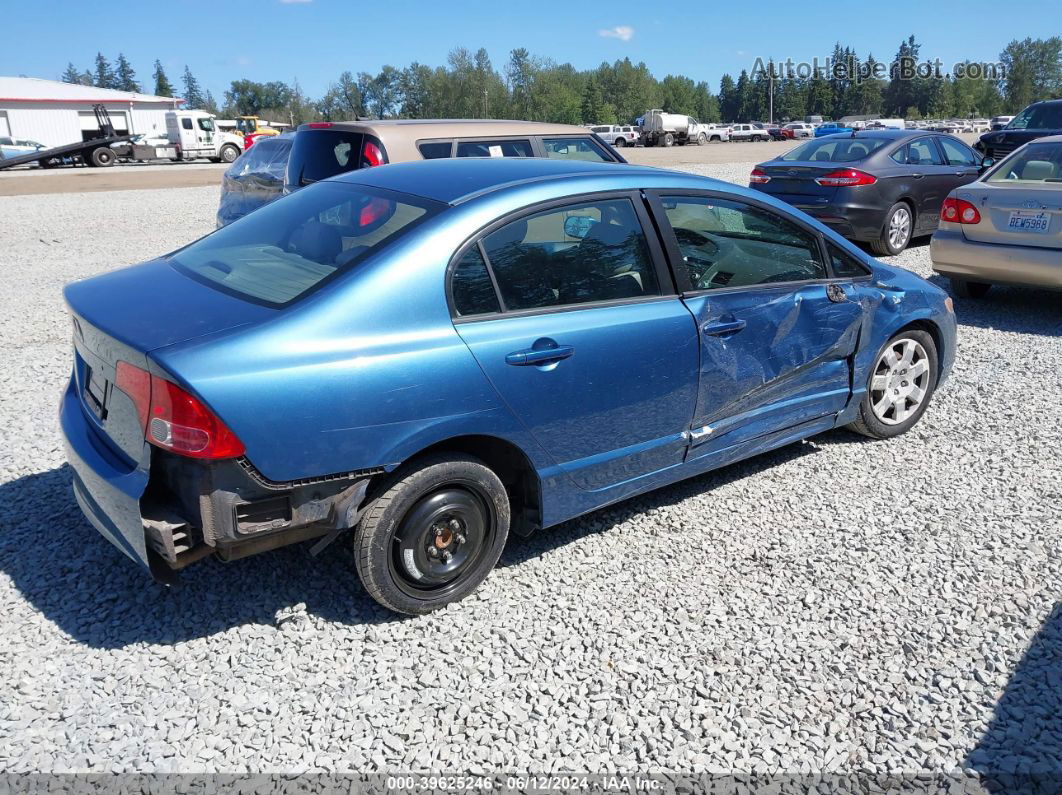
{"points": [[196, 136]]}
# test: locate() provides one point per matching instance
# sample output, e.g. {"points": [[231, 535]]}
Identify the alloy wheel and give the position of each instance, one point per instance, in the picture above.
{"points": [[900, 382], [900, 228]]}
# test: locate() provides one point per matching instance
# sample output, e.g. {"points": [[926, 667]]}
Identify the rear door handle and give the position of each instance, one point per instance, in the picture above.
{"points": [[532, 356], [723, 328]]}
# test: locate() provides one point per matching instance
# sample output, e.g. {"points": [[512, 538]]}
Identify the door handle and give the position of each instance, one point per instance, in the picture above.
{"points": [[533, 356], [917, 176], [723, 328]]}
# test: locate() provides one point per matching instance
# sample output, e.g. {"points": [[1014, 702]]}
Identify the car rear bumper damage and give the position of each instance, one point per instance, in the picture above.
{"points": [[167, 511], [955, 256]]}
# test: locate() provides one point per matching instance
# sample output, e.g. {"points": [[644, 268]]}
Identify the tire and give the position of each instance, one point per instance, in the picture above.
{"points": [[965, 289], [716, 139], [894, 384], [397, 548], [229, 153], [669, 140], [892, 240], [620, 143], [701, 139], [102, 156]]}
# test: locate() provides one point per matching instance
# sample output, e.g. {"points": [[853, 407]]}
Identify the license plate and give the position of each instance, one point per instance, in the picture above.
{"points": [[95, 392], [1028, 222]]}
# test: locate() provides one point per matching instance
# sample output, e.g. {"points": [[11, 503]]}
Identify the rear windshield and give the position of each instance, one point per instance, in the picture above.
{"points": [[320, 154], [836, 150], [266, 156], [1034, 163], [285, 249]]}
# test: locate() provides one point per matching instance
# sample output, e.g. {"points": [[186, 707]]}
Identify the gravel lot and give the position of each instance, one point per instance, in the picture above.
{"points": [[840, 605]]}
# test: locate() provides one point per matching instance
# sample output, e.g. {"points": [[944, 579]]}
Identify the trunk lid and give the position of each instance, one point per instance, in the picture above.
{"points": [[795, 183], [126, 314], [1025, 215]]}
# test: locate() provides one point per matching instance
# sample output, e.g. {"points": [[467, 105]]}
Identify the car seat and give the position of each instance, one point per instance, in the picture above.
{"points": [[1038, 170]]}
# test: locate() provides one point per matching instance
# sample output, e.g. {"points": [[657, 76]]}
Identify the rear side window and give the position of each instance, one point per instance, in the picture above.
{"points": [[579, 254], [432, 150], [320, 154], [514, 148], [471, 286], [186, 123], [285, 249], [575, 149], [730, 244]]}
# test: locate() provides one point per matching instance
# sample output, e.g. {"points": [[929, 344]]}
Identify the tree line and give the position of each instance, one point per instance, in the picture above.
{"points": [[539, 89]]}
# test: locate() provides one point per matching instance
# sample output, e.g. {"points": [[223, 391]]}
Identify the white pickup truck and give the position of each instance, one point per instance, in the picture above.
{"points": [[748, 132]]}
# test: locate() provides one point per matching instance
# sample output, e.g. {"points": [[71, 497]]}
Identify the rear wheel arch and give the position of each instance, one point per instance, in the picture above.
{"points": [[506, 460]]}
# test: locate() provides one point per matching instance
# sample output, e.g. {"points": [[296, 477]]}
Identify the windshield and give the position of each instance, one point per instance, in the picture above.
{"points": [[206, 125], [1038, 117], [836, 149], [284, 249], [1033, 163]]}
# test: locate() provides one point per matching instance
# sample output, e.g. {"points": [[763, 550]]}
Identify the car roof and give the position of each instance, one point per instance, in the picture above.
{"points": [[456, 180], [418, 129], [1047, 139]]}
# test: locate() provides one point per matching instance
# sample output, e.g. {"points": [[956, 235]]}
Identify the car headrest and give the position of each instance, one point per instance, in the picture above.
{"points": [[318, 242], [606, 234], [821, 155], [1038, 170]]}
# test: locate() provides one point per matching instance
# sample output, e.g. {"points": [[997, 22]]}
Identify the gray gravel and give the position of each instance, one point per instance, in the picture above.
{"points": [[838, 605]]}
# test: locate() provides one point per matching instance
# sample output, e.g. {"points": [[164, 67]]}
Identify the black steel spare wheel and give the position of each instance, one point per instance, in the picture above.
{"points": [[440, 538], [432, 533]]}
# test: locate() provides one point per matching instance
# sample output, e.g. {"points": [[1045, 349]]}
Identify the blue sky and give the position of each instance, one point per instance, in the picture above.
{"points": [[315, 40]]}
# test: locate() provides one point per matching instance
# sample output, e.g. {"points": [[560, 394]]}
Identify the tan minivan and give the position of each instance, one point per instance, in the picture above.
{"points": [[324, 149]]}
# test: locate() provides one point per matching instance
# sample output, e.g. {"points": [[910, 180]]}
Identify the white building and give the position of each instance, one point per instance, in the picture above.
{"points": [[54, 113]]}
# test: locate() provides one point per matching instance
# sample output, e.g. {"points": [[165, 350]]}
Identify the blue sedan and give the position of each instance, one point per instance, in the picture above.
{"points": [[830, 128], [429, 356]]}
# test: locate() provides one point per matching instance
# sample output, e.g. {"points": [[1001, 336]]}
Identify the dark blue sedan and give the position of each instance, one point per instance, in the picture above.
{"points": [[427, 356]]}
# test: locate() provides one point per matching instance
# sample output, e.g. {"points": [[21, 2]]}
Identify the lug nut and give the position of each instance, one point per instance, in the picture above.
{"points": [[433, 552], [455, 525], [460, 537], [446, 556]]}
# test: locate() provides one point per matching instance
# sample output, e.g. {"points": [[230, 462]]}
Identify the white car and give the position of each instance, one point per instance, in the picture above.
{"points": [[617, 134]]}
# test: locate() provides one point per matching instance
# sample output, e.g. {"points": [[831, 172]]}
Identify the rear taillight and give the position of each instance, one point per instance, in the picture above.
{"points": [[845, 178], [758, 177], [372, 154], [173, 419], [959, 211]]}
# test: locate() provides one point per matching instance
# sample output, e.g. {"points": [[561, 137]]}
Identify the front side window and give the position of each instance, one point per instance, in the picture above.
{"points": [[514, 148], [730, 244], [206, 125], [284, 249], [844, 265], [579, 254], [574, 149], [958, 153]]}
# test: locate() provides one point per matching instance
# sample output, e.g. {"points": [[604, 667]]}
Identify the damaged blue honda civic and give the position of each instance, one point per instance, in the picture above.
{"points": [[419, 359]]}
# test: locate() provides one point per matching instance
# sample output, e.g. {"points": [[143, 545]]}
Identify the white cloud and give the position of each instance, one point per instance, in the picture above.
{"points": [[621, 32]]}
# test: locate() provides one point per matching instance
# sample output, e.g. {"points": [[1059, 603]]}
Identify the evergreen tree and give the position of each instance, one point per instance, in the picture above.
{"points": [[728, 99], [163, 88], [125, 77], [193, 94], [104, 76], [593, 103], [71, 75]]}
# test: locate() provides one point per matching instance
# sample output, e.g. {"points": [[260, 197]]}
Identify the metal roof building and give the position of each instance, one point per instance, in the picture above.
{"points": [[54, 113]]}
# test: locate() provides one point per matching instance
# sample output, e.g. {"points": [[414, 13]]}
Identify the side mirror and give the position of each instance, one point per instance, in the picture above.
{"points": [[578, 226], [986, 164]]}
